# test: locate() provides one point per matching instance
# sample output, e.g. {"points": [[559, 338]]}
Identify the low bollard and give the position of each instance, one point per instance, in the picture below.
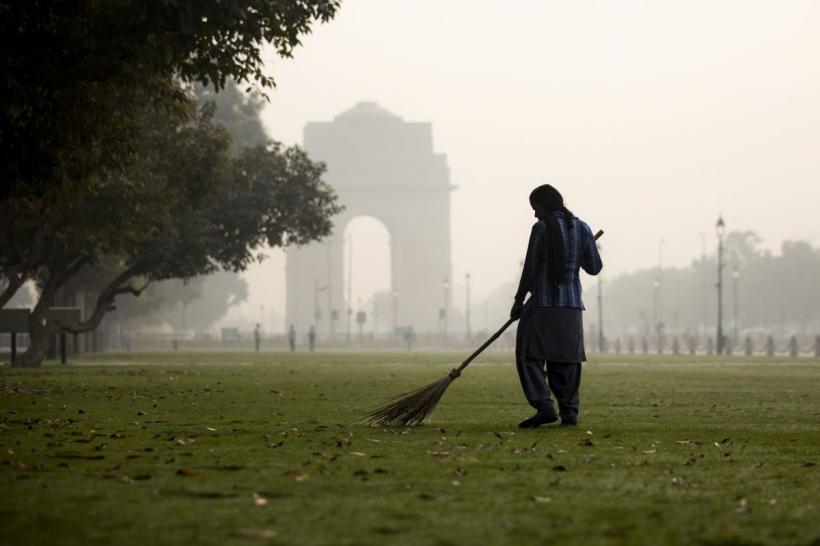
{"points": [[793, 350], [748, 348]]}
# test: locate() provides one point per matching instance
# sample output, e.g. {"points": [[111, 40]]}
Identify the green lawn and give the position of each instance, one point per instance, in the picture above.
{"points": [[243, 448]]}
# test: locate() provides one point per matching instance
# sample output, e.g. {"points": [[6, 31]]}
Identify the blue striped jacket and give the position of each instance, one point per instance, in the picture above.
{"points": [[582, 253]]}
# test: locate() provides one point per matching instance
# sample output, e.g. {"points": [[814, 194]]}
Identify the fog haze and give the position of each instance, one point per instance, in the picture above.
{"points": [[652, 118]]}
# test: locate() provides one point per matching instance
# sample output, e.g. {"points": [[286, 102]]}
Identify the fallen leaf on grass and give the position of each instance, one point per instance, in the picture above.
{"points": [[187, 472], [544, 500], [358, 454], [259, 500]]}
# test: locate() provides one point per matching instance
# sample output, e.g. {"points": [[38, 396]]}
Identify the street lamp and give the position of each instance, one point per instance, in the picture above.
{"points": [[467, 304], [735, 277], [445, 308], [600, 312], [395, 309], [720, 229], [660, 281], [656, 283], [703, 282]]}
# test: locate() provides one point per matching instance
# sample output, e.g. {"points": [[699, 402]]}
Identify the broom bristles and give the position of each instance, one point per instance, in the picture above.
{"points": [[412, 408]]}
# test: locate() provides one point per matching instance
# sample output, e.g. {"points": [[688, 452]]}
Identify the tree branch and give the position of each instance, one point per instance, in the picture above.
{"points": [[106, 300]]}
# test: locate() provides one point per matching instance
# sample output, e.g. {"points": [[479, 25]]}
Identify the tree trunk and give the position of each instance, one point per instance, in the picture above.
{"points": [[39, 335], [39, 329]]}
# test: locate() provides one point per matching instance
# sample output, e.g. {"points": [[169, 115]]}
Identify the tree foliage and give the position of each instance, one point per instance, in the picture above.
{"points": [[187, 208], [77, 74]]}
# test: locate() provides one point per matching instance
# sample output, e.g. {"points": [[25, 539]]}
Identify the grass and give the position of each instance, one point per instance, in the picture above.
{"points": [[243, 448]]}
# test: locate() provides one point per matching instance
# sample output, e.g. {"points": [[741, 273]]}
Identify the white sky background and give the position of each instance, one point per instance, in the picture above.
{"points": [[652, 117]]}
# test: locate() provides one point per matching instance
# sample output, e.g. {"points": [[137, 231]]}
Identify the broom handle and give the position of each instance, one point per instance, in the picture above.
{"points": [[500, 330]]}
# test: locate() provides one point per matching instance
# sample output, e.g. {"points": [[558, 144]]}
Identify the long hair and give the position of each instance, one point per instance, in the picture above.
{"points": [[552, 201]]}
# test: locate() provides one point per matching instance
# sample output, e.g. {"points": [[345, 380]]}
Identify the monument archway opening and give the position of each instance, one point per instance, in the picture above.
{"points": [[367, 274]]}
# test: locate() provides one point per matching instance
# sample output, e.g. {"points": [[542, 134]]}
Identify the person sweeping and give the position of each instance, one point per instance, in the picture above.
{"points": [[550, 328]]}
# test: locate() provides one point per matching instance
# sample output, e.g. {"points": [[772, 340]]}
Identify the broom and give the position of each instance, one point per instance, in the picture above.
{"points": [[413, 408]]}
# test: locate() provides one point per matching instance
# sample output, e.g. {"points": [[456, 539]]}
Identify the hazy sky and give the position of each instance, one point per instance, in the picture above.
{"points": [[652, 117]]}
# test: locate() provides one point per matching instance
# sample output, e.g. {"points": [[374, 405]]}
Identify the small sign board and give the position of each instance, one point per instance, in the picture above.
{"points": [[65, 316], [14, 321], [404, 331], [230, 335]]}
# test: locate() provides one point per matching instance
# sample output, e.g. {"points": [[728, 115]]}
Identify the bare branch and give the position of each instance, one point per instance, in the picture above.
{"points": [[105, 301]]}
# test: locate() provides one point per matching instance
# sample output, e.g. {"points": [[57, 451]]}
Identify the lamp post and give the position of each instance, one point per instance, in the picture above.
{"points": [[703, 281], [395, 309], [600, 312], [720, 229], [656, 283], [735, 277], [467, 304], [600, 316], [660, 281], [445, 308]]}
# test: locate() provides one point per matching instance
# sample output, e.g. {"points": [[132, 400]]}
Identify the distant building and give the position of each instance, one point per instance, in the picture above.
{"points": [[384, 167]]}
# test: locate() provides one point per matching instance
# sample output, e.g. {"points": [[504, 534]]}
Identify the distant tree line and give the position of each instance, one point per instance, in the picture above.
{"points": [[774, 291]]}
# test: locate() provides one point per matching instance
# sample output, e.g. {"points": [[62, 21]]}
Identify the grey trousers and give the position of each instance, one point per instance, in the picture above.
{"points": [[562, 378]]}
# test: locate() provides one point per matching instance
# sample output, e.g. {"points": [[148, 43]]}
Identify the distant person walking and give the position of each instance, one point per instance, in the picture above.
{"points": [[312, 338], [257, 337], [551, 329], [292, 338]]}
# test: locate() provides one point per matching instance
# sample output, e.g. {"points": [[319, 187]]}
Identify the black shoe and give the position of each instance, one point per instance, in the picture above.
{"points": [[540, 418], [569, 422]]}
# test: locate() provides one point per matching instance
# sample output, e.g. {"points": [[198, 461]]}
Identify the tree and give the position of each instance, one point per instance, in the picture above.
{"points": [[76, 77], [187, 208], [237, 112]]}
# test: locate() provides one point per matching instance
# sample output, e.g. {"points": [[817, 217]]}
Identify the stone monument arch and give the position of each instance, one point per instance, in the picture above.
{"points": [[384, 167]]}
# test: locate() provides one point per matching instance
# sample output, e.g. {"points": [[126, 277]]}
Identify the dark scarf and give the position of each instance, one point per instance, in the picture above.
{"points": [[556, 254], [555, 251]]}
